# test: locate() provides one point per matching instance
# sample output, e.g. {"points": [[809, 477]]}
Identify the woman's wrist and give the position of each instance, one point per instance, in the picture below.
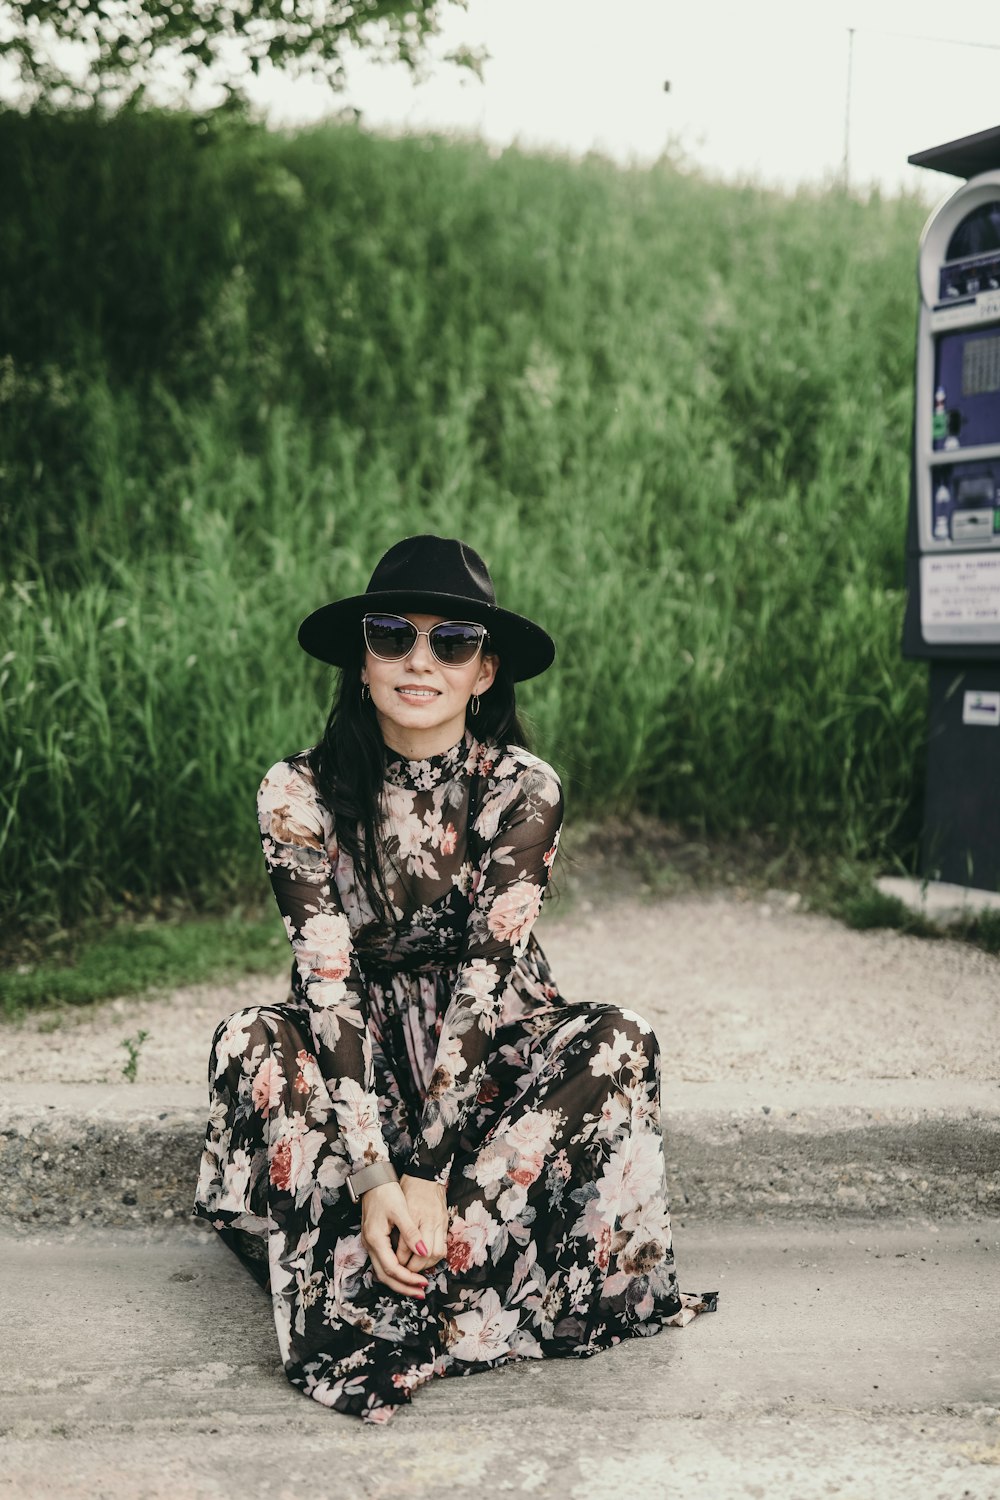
{"points": [[377, 1174]]}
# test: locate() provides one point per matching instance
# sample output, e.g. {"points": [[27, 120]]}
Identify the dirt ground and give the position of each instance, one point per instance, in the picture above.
{"points": [[737, 989]]}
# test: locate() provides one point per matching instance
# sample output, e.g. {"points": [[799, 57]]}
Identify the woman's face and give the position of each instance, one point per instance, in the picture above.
{"points": [[420, 704]]}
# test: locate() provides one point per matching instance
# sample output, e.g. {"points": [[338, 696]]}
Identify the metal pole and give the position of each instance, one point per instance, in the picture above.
{"points": [[847, 108]]}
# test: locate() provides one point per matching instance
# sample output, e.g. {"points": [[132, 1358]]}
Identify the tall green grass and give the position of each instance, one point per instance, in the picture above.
{"points": [[235, 366]]}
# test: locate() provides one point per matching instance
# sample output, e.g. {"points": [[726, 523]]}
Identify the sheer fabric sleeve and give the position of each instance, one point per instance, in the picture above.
{"points": [[296, 833], [521, 819]]}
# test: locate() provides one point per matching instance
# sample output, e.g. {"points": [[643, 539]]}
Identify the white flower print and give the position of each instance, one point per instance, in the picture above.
{"points": [[327, 931], [479, 982], [490, 1166], [286, 808], [323, 993], [609, 1056], [490, 814], [633, 1173], [511, 1202], [235, 1181], [233, 1041], [614, 1113], [357, 1112], [479, 979], [325, 951], [485, 1330]]}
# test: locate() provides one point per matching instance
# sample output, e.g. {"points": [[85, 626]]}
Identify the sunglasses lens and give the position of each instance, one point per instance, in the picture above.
{"points": [[455, 642], [389, 636]]}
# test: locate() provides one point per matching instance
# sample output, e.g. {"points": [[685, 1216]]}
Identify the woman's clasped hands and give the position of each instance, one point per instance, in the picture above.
{"points": [[418, 1211]]}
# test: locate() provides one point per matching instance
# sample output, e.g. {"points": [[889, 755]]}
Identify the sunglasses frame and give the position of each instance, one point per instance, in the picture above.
{"points": [[475, 624]]}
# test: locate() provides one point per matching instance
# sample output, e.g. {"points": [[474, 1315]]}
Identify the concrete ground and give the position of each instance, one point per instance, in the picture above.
{"points": [[832, 1119], [855, 1361], [738, 990]]}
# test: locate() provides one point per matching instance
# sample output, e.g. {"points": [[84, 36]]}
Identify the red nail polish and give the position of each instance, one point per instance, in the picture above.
{"points": [[421, 1248]]}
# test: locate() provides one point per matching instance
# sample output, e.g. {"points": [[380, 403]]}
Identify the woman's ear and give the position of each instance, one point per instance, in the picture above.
{"points": [[488, 666]]}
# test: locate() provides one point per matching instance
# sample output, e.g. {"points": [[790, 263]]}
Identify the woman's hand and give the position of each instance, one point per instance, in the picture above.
{"points": [[428, 1206], [383, 1209]]}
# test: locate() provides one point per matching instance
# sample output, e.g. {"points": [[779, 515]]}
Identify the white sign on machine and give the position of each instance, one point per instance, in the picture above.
{"points": [[960, 597], [981, 708]]}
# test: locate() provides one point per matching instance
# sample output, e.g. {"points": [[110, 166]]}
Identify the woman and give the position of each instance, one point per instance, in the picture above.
{"points": [[431, 1160]]}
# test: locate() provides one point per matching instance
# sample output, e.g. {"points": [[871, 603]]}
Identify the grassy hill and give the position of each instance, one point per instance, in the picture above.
{"points": [[236, 365]]}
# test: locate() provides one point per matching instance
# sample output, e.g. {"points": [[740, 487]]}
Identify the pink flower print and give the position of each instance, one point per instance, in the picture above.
{"points": [[267, 1085], [449, 839], [470, 1238], [532, 1133], [527, 1169], [280, 1170], [329, 938], [292, 1158], [548, 858], [513, 913], [603, 1252]]}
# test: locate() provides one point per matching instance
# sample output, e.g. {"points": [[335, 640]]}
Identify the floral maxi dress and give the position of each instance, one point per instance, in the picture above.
{"points": [[444, 1047]]}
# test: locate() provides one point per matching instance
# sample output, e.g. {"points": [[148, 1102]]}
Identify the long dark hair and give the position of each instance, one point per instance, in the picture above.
{"points": [[348, 764]]}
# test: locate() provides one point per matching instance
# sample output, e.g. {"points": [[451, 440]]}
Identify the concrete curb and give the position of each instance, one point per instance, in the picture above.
{"points": [[938, 900], [119, 1154]]}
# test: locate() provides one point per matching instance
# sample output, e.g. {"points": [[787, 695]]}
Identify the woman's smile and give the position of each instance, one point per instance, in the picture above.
{"points": [[421, 704]]}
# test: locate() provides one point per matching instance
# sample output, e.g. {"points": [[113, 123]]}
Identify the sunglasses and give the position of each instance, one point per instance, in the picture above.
{"points": [[453, 643]]}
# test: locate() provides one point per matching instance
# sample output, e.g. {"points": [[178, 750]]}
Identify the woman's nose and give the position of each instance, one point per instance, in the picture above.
{"points": [[421, 657]]}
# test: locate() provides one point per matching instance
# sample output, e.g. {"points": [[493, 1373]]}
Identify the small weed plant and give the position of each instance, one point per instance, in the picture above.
{"points": [[133, 1046]]}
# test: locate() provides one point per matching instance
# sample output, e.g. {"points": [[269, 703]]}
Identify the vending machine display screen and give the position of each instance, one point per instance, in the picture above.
{"points": [[977, 233], [972, 261], [981, 366]]}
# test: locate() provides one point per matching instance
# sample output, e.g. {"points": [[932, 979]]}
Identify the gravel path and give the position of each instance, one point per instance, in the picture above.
{"points": [[737, 990]]}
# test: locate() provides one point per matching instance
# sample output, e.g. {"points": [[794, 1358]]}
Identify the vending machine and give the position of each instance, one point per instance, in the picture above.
{"points": [[953, 545]]}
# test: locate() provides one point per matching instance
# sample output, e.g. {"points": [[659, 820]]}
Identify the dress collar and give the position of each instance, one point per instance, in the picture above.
{"points": [[423, 775]]}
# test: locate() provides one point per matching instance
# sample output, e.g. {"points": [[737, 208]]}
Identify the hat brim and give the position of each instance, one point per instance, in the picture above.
{"points": [[330, 633]]}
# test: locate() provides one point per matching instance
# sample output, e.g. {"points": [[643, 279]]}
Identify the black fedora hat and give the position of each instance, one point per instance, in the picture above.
{"points": [[429, 575]]}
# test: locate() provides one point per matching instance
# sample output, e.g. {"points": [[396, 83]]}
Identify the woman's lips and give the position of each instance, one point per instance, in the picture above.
{"points": [[418, 695]]}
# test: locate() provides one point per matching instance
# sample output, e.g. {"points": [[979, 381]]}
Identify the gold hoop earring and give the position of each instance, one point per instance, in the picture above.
{"points": [[474, 705], [366, 692]]}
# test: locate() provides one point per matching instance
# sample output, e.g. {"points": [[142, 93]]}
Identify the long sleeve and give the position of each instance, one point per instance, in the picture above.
{"points": [[296, 833], [520, 823]]}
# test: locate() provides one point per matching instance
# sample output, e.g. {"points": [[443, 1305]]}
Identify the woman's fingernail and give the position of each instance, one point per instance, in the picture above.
{"points": [[421, 1248]]}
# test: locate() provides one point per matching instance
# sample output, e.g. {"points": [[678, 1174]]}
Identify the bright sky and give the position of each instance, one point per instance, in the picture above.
{"points": [[755, 89]]}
